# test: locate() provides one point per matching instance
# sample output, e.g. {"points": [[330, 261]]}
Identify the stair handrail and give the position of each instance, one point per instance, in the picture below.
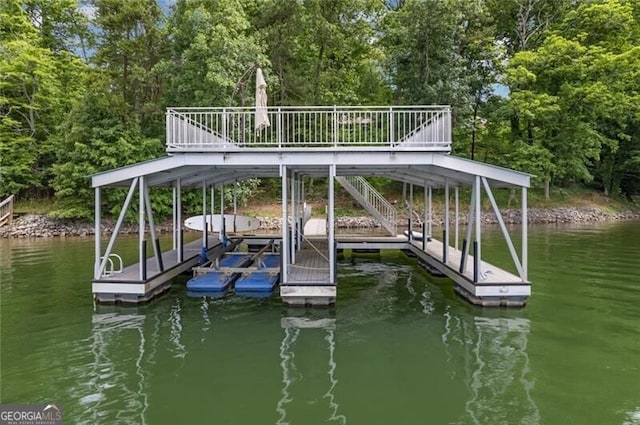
{"points": [[198, 125], [6, 211], [432, 119], [373, 198]]}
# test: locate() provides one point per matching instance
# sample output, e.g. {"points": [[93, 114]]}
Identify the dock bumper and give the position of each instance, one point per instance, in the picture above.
{"points": [[127, 293], [496, 295], [314, 295]]}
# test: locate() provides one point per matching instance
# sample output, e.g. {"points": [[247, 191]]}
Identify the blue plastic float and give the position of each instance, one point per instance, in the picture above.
{"points": [[258, 281], [218, 281]]}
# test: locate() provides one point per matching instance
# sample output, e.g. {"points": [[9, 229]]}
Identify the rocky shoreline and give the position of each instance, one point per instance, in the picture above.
{"points": [[41, 226]]}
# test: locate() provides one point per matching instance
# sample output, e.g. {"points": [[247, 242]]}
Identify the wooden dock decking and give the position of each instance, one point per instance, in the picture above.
{"points": [[127, 287], [309, 276], [494, 286], [311, 266], [489, 274]]}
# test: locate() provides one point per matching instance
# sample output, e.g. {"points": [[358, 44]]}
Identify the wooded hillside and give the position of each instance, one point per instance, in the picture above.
{"points": [[551, 87]]}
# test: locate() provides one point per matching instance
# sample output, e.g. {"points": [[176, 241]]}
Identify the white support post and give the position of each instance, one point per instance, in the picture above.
{"points": [[446, 220], [116, 229], [152, 229], [174, 224], [97, 232], [525, 219], [211, 207], [179, 219], [411, 206], [478, 192], [204, 214], [331, 236], [235, 205], [223, 222], [284, 248], [470, 220], [426, 234], [303, 203], [505, 233], [430, 223], [142, 254], [457, 196], [300, 220], [292, 183]]}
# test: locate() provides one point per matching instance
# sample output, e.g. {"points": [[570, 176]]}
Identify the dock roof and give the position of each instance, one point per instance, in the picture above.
{"points": [[218, 168]]}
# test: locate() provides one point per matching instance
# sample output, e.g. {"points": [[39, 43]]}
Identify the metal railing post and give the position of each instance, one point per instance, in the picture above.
{"points": [[391, 127], [167, 129], [225, 136], [279, 128], [335, 126]]}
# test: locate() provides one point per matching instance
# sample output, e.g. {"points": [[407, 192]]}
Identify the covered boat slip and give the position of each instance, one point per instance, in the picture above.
{"points": [[210, 148], [253, 271]]}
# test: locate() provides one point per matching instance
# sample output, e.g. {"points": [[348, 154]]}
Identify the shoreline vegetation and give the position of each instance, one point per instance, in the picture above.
{"points": [[43, 226]]}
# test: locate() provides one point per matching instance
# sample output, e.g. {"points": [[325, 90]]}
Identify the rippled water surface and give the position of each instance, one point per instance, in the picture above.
{"points": [[399, 347]]}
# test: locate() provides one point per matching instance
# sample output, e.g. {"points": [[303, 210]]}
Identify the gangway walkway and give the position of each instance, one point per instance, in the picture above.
{"points": [[316, 227]]}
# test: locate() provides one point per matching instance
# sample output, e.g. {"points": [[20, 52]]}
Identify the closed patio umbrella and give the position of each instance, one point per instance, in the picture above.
{"points": [[261, 116]]}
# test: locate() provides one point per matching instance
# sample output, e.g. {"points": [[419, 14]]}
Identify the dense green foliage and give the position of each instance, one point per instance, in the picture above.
{"points": [[84, 84]]}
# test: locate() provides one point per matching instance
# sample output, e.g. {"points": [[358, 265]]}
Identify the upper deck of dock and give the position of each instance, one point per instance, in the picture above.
{"points": [[383, 128]]}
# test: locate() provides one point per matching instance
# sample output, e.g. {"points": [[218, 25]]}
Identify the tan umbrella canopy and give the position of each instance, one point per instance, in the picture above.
{"points": [[262, 117]]}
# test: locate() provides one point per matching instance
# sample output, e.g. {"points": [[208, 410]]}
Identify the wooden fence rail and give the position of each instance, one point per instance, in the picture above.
{"points": [[6, 211]]}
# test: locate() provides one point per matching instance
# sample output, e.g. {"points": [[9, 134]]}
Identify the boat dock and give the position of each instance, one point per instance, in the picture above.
{"points": [[207, 149]]}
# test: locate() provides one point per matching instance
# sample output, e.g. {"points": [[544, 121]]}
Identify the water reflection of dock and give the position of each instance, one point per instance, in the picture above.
{"points": [[293, 327], [109, 383], [496, 368]]}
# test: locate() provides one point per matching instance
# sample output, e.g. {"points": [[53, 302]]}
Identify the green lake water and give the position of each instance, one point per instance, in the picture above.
{"points": [[398, 348]]}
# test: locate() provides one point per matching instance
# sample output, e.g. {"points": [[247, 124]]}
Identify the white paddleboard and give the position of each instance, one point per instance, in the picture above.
{"points": [[233, 223], [416, 236]]}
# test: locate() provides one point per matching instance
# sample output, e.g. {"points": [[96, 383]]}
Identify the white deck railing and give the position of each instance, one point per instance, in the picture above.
{"points": [[395, 127]]}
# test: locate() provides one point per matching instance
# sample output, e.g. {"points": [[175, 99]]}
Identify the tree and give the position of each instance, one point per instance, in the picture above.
{"points": [[38, 87], [444, 52], [98, 135], [323, 52], [576, 94], [212, 47], [130, 45]]}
